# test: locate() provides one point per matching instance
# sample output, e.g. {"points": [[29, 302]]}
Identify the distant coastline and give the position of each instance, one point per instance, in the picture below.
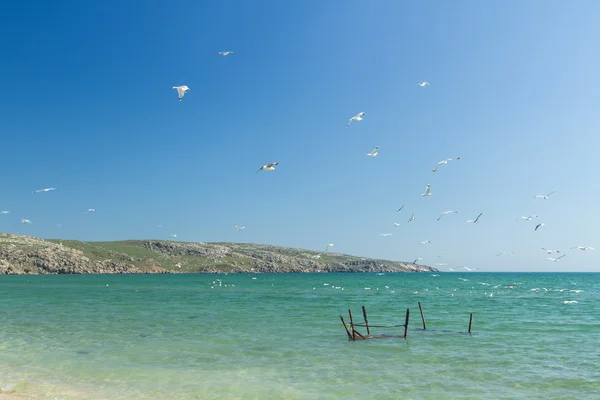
{"points": [[29, 255]]}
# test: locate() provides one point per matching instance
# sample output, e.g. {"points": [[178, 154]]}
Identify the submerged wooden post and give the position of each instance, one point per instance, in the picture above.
{"points": [[470, 321], [366, 321], [422, 317], [352, 325], [346, 327], [406, 322]]}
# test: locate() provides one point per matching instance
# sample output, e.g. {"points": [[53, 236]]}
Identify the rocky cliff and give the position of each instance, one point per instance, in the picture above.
{"points": [[29, 255]]}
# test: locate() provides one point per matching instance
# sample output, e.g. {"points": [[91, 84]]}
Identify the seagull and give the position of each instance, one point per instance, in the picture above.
{"points": [[385, 234], [45, 190], [529, 218], [538, 226], [441, 264], [173, 236], [239, 228], [327, 246], [504, 254], [90, 210], [4, 212], [427, 191], [446, 213], [400, 209], [268, 167], [374, 152], [412, 218], [545, 197], [425, 241], [470, 269], [226, 53], [476, 219], [417, 260], [555, 259], [583, 248], [395, 224], [550, 251], [444, 162], [181, 90], [423, 84], [25, 221], [357, 117]]}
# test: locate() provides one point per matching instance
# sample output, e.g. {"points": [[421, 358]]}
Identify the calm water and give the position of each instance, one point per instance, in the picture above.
{"points": [[280, 337]]}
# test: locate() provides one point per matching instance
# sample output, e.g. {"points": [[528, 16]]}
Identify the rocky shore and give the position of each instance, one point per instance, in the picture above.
{"points": [[29, 255]]}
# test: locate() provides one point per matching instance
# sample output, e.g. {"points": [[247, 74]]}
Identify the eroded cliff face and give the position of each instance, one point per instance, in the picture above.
{"points": [[29, 255]]}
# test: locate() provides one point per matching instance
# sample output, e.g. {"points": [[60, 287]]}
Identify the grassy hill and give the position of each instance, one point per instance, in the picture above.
{"points": [[29, 255]]}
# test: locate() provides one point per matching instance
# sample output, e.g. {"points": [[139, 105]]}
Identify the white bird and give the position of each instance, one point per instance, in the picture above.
{"points": [[240, 227], [529, 218], [417, 260], [385, 234], [550, 251], [425, 241], [25, 221], [555, 259], [470, 269], [395, 224], [90, 210], [316, 256], [412, 218], [357, 117], [443, 162], [45, 190], [583, 248], [173, 235], [423, 84], [506, 253], [538, 226], [476, 220], [268, 167], [441, 264], [374, 152], [226, 53], [4, 212], [400, 209], [446, 213], [427, 191], [181, 90], [545, 197], [327, 246]]}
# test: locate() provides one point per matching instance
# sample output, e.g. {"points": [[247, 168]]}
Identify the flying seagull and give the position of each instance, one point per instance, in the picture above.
{"points": [[446, 213], [173, 235], [395, 224], [443, 162], [504, 254], [417, 260], [4, 212], [545, 197], [327, 246], [45, 190], [268, 167], [470, 269], [476, 220], [385, 234], [427, 191], [412, 218], [90, 210], [555, 259], [550, 251], [423, 84], [400, 209], [239, 228], [226, 53], [181, 90], [538, 226], [357, 117], [528, 218], [25, 221], [425, 242], [374, 152], [583, 248]]}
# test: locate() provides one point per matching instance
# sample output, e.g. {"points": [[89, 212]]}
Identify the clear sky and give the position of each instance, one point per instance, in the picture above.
{"points": [[87, 106]]}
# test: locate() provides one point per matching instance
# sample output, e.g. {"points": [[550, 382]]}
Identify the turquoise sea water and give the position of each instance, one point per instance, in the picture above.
{"points": [[278, 336]]}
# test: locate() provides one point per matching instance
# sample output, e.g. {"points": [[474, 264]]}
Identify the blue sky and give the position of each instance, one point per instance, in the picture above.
{"points": [[88, 106]]}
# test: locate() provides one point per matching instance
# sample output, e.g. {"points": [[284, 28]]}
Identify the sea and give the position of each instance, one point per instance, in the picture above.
{"points": [[279, 336]]}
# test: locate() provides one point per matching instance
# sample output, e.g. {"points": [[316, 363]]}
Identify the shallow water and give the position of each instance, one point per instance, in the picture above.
{"points": [[279, 336]]}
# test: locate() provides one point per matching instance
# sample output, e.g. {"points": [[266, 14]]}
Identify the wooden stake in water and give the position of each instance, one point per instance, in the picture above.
{"points": [[422, 317], [352, 325], [470, 321], [406, 322], [346, 327], [366, 322]]}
